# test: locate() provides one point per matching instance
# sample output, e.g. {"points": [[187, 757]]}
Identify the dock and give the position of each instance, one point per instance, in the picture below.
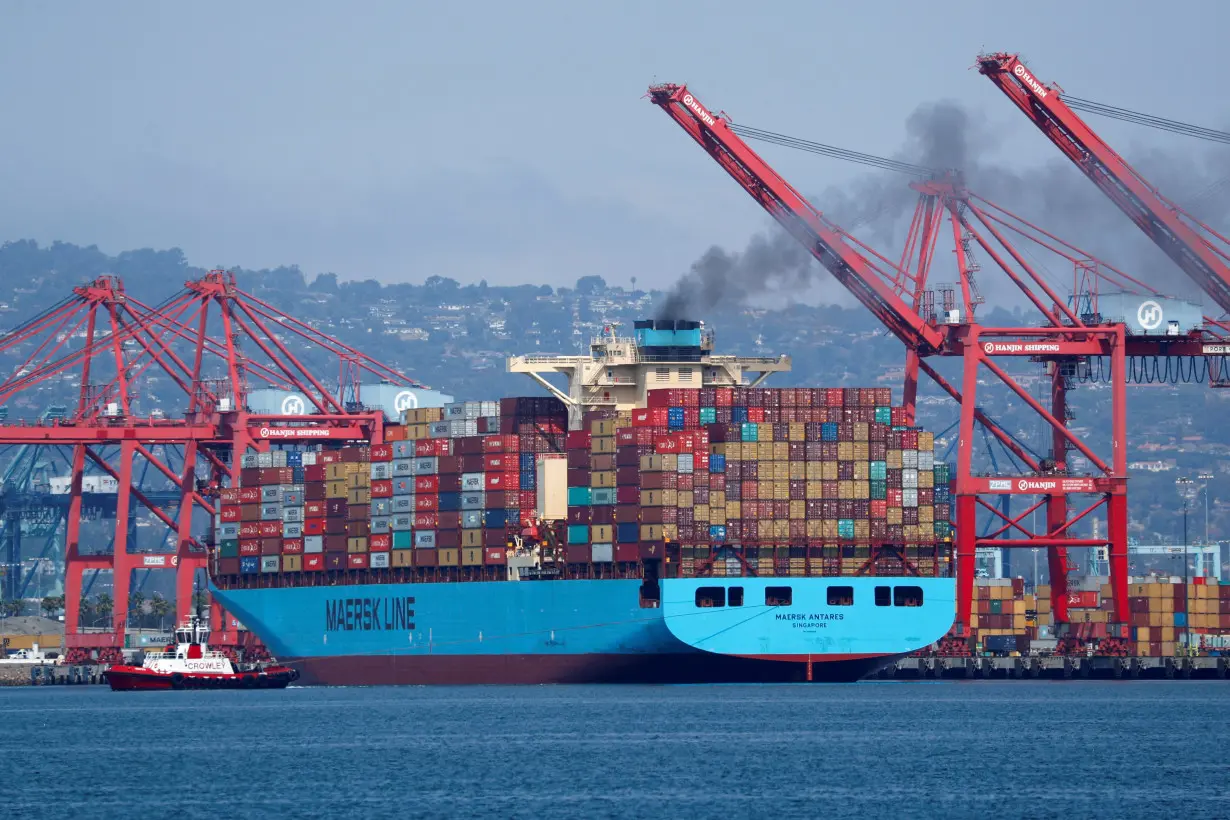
{"points": [[1056, 667]]}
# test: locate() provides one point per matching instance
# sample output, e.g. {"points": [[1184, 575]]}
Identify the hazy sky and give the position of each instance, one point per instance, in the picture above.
{"points": [[510, 141]]}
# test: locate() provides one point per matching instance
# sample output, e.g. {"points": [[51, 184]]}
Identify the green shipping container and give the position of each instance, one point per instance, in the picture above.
{"points": [[884, 415], [997, 606], [580, 496], [403, 540], [708, 415], [602, 496], [879, 490], [578, 533], [229, 548], [750, 431], [879, 470], [845, 528]]}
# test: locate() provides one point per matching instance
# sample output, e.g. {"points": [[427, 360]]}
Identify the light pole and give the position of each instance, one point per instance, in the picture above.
{"points": [[1206, 478]]}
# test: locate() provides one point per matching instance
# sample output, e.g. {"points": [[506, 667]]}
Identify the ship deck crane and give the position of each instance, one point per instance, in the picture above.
{"points": [[897, 295]]}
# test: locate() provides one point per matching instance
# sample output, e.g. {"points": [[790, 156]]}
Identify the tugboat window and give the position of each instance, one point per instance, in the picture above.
{"points": [[841, 596], [907, 596], [778, 596], [710, 596], [735, 596], [884, 596]]}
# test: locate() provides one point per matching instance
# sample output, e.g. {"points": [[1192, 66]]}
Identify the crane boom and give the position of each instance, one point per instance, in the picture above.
{"points": [[1160, 219], [794, 213]]}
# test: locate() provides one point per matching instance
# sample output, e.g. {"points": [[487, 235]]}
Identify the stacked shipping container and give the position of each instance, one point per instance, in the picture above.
{"points": [[802, 480]]}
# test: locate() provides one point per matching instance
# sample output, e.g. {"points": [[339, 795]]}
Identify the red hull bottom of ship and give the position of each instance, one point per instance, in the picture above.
{"points": [[369, 670], [138, 679]]}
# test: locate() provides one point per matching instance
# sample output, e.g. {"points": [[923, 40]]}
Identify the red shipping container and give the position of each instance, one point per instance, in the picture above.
{"points": [[228, 566], [627, 552], [529, 499], [494, 481], [249, 529], [249, 495], [381, 452], [314, 562], [229, 495], [577, 440], [292, 546], [328, 457], [313, 526], [356, 560], [271, 546], [382, 488], [427, 484], [496, 462], [426, 502], [1084, 599], [249, 546], [526, 515], [495, 555], [493, 444], [230, 514], [426, 520], [270, 529], [314, 509], [379, 542]]}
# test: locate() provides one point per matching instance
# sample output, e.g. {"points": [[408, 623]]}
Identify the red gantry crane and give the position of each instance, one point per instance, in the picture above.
{"points": [[110, 345], [897, 294], [1200, 251]]}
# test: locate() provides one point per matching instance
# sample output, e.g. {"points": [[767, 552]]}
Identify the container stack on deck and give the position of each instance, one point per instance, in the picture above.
{"points": [[794, 481]]}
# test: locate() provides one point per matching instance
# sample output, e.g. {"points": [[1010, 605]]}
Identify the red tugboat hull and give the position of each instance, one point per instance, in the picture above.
{"points": [[136, 678]]}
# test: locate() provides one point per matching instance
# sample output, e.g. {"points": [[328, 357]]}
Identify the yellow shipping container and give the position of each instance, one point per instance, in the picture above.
{"points": [[670, 531], [651, 464], [798, 431], [780, 529], [798, 510], [861, 430], [764, 432], [893, 459], [862, 490], [781, 451], [780, 470], [815, 529], [893, 515], [602, 427], [700, 514], [926, 440], [471, 538], [651, 532], [670, 498], [812, 469], [798, 470], [335, 489], [862, 529], [356, 544], [845, 490], [651, 498], [828, 529], [472, 556], [813, 489], [357, 481], [602, 478], [359, 496], [734, 509], [828, 470], [717, 499], [449, 557], [602, 533], [862, 450], [862, 471], [845, 451], [605, 444], [926, 514], [684, 499]]}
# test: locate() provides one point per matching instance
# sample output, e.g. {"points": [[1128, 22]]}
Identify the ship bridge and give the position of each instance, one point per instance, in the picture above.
{"points": [[620, 370]]}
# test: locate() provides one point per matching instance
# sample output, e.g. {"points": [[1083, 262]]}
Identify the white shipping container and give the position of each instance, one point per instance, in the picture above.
{"points": [[379, 560], [292, 514], [686, 463], [403, 450], [292, 530], [401, 504], [309, 458], [271, 563], [313, 543], [471, 482], [403, 466], [249, 460], [280, 459], [424, 539], [381, 470], [603, 553], [909, 479], [471, 519], [264, 460], [552, 469], [401, 523], [455, 410], [926, 460], [489, 409], [472, 409], [909, 459], [380, 524], [427, 465], [909, 497]]}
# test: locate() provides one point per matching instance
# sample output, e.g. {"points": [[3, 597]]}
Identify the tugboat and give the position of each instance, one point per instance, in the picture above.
{"points": [[190, 664]]}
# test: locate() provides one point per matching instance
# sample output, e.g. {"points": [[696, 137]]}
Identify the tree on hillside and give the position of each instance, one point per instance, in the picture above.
{"points": [[590, 285], [324, 283]]}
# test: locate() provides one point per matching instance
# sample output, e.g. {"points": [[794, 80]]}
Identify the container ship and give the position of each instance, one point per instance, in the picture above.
{"points": [[662, 518]]}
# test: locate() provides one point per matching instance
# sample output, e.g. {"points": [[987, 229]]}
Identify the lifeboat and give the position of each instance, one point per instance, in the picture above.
{"points": [[189, 663]]}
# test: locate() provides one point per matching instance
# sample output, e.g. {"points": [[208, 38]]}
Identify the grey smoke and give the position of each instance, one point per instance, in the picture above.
{"points": [[946, 136]]}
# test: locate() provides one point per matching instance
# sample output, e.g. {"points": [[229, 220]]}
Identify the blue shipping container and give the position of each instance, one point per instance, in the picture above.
{"points": [[828, 431], [717, 532], [495, 519], [250, 563], [717, 463], [529, 480], [627, 532], [450, 502], [527, 461], [738, 415]]}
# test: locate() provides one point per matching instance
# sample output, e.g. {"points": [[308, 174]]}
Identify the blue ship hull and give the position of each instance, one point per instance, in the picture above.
{"points": [[591, 631]]}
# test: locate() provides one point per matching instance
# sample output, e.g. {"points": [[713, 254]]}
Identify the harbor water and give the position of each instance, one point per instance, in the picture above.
{"points": [[869, 750]]}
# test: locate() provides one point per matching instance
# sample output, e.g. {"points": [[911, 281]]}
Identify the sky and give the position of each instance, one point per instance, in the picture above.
{"points": [[511, 141]]}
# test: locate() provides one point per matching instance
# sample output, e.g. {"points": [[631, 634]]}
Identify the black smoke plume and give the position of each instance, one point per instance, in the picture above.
{"points": [[946, 136]]}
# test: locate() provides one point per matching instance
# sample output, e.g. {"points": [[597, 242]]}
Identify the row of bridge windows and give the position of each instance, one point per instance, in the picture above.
{"points": [[835, 596]]}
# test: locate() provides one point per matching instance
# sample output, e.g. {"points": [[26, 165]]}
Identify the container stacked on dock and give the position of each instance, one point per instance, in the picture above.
{"points": [[800, 480], [1165, 616]]}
